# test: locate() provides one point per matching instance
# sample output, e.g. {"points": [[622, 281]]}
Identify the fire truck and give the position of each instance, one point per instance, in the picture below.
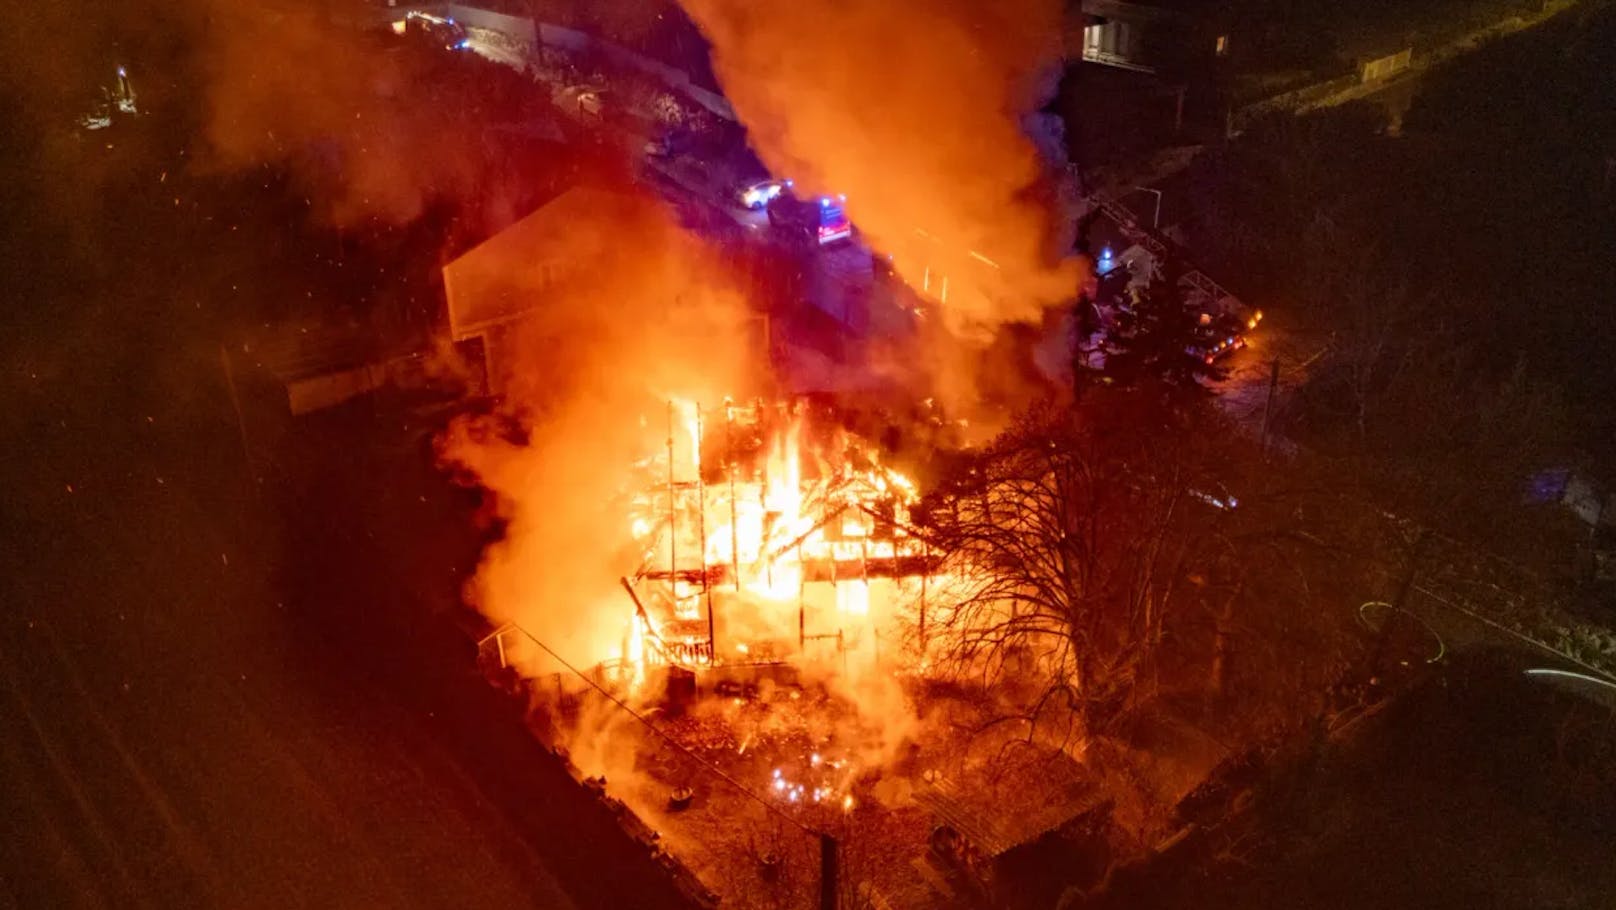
{"points": [[819, 221]]}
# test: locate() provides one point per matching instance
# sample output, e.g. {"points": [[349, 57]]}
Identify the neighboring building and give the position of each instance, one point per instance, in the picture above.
{"points": [[1175, 36], [572, 249], [1143, 75], [497, 283]]}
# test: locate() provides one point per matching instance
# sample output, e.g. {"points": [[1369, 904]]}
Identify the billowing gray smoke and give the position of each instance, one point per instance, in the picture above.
{"points": [[918, 111]]}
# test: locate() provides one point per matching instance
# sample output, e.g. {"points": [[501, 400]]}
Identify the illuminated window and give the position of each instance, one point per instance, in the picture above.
{"points": [[1223, 45]]}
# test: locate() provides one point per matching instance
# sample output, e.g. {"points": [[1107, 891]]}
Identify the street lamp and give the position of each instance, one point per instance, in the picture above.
{"points": [[1155, 221]]}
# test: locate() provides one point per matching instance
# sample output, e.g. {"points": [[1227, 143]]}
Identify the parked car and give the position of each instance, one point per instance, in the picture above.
{"points": [[756, 194]]}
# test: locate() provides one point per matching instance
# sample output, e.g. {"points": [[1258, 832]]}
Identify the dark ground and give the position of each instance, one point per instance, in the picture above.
{"points": [[1476, 789], [227, 696], [220, 685], [177, 740]]}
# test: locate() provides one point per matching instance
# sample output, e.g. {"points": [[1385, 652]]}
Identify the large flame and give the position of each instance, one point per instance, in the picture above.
{"points": [[588, 376], [783, 548]]}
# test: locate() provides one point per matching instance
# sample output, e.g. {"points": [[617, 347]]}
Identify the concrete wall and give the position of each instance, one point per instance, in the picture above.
{"points": [[1387, 66], [518, 27]]}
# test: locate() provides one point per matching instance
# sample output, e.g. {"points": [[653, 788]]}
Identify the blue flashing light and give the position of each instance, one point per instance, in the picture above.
{"points": [[824, 202]]}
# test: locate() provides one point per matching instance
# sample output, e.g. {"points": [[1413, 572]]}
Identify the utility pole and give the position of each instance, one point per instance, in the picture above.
{"points": [[829, 873], [1268, 408], [1416, 553]]}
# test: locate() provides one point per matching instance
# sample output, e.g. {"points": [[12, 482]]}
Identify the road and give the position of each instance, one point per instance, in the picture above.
{"points": [[1250, 388]]}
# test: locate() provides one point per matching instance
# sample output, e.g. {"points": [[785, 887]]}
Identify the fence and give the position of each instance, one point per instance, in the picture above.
{"points": [[575, 41]]}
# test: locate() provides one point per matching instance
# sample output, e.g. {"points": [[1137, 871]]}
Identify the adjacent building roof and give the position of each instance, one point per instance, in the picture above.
{"points": [[505, 276]]}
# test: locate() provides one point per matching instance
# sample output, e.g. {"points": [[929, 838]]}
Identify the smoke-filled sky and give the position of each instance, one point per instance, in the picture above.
{"points": [[370, 131], [913, 109], [366, 129]]}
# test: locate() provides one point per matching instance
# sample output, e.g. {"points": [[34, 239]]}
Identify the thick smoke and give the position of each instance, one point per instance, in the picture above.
{"points": [[650, 315], [916, 111], [369, 127]]}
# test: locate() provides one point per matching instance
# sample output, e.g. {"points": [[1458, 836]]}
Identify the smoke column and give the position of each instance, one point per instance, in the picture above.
{"points": [[915, 110]]}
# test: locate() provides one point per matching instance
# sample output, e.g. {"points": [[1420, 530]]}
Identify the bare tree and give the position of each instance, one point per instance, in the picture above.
{"points": [[1098, 557], [1068, 543]]}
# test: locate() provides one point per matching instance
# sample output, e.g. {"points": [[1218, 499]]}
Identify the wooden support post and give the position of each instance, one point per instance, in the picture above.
{"points": [[701, 505], [734, 524]]}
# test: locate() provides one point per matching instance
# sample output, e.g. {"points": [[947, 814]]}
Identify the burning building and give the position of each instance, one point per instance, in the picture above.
{"points": [[724, 612], [768, 542], [773, 539], [735, 617], [769, 681]]}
